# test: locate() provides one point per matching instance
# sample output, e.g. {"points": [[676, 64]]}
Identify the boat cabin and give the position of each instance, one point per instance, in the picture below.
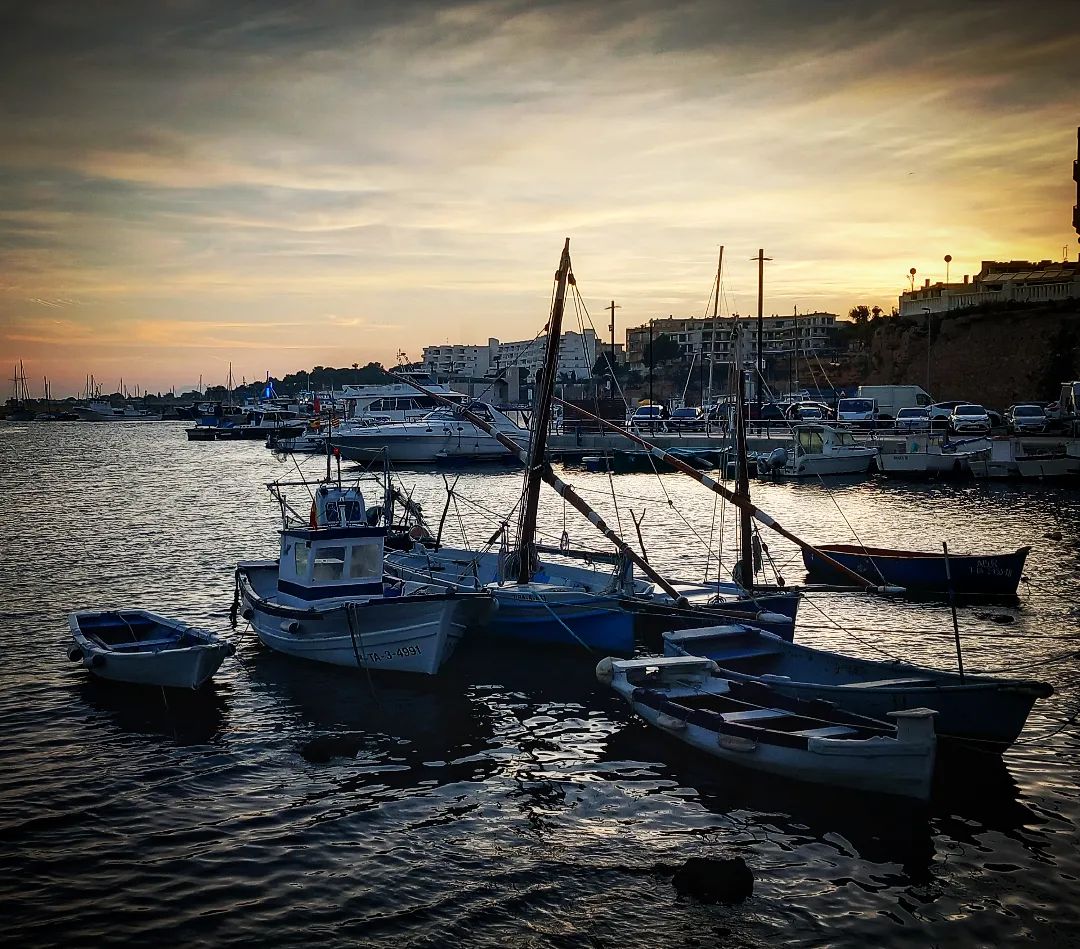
{"points": [[330, 562], [819, 439]]}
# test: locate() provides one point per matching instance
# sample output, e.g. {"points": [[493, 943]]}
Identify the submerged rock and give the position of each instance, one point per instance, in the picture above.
{"points": [[714, 881]]}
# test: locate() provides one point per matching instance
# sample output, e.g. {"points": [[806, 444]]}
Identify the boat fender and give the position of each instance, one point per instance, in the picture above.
{"points": [[682, 603], [290, 626], [75, 654], [778, 618], [605, 671], [95, 661], [247, 612]]}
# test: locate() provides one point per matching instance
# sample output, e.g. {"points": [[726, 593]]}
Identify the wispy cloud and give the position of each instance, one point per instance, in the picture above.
{"points": [[207, 178]]}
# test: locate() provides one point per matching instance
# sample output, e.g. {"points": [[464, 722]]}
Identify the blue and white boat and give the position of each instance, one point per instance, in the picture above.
{"points": [[143, 648], [983, 711], [752, 726], [326, 598]]}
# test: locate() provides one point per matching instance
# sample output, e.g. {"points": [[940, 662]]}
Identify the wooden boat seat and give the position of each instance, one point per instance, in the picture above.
{"points": [[753, 715], [145, 643], [826, 731], [886, 683], [748, 654]]}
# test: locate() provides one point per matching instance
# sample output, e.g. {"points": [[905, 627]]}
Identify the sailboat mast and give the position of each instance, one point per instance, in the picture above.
{"points": [[715, 310], [541, 420], [742, 487]]}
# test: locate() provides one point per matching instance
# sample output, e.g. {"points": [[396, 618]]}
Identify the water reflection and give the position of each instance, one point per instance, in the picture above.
{"points": [[186, 717]]}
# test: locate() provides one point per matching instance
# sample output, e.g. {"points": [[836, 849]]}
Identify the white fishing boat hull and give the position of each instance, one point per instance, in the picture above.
{"points": [[925, 463], [186, 667], [414, 633]]}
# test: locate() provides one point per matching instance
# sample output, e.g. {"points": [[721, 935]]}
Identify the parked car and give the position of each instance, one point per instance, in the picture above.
{"points": [[810, 411], [913, 420], [688, 418], [1026, 418], [971, 419], [651, 417], [860, 413], [941, 413]]}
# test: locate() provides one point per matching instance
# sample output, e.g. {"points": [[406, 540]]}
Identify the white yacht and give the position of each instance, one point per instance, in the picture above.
{"points": [[442, 435], [100, 410], [396, 401]]}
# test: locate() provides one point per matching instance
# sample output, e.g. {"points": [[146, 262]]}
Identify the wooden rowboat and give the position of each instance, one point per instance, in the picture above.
{"points": [[143, 648], [752, 726]]}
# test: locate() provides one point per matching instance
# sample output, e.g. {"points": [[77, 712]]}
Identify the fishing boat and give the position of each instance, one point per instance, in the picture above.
{"points": [[817, 449], [986, 574], [261, 424], [924, 456], [143, 648], [1025, 458], [753, 726], [326, 598], [981, 710]]}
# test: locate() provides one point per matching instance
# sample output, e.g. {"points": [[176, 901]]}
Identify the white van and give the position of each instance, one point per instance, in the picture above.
{"points": [[891, 399]]}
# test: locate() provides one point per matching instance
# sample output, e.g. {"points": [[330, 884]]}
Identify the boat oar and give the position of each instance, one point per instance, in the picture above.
{"points": [[755, 512], [952, 606]]}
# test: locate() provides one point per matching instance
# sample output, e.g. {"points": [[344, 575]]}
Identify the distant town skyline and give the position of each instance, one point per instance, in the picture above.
{"points": [[185, 185]]}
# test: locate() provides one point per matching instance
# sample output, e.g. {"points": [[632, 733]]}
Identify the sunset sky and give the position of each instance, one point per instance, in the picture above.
{"points": [[283, 185]]}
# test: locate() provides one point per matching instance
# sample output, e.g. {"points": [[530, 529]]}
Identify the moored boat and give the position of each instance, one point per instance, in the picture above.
{"points": [[750, 725], [143, 648], [326, 599], [984, 711], [818, 449], [986, 574]]}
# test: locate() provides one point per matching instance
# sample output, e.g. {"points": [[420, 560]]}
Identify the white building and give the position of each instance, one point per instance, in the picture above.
{"points": [[459, 360], [781, 335], [1023, 281], [577, 356]]}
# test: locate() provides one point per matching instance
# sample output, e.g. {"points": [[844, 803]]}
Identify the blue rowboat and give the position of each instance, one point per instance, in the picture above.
{"points": [[997, 574], [983, 711]]}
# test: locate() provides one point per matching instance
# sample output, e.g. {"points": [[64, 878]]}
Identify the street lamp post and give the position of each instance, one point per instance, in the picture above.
{"points": [[926, 310]]}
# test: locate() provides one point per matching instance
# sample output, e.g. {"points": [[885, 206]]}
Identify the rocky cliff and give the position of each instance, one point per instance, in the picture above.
{"points": [[994, 356]]}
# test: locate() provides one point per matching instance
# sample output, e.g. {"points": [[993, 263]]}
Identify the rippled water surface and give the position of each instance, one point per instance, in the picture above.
{"points": [[511, 800]]}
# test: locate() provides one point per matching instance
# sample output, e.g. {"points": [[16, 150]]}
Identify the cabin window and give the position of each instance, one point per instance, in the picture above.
{"points": [[811, 442], [846, 438], [301, 557], [329, 564], [365, 560]]}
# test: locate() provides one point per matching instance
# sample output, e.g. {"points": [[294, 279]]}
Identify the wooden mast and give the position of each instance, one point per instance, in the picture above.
{"points": [[541, 420], [742, 487]]}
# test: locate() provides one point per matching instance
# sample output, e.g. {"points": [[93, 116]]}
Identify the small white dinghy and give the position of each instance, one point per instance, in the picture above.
{"points": [[750, 725], [143, 648]]}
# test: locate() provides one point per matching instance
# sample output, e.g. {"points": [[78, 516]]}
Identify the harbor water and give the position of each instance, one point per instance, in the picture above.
{"points": [[511, 800]]}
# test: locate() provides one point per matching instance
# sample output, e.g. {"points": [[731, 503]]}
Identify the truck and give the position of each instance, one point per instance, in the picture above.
{"points": [[891, 399]]}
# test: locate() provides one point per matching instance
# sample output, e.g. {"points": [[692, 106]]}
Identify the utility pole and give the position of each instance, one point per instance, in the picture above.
{"points": [[761, 258]]}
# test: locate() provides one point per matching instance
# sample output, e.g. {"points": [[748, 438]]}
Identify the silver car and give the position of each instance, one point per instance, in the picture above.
{"points": [[913, 420], [1026, 418]]}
